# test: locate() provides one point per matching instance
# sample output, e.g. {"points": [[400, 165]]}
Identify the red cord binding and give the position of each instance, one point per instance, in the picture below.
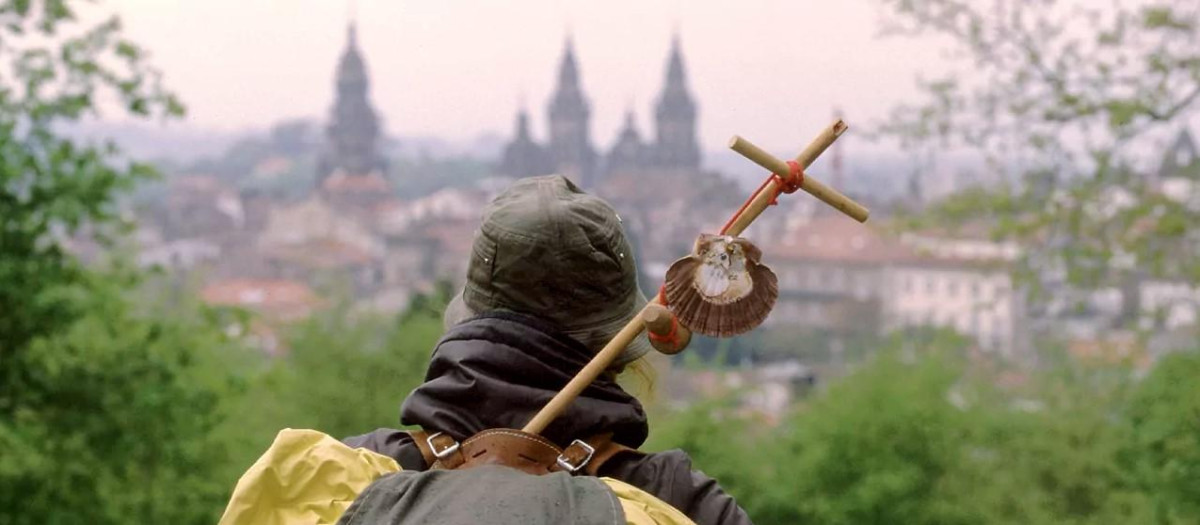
{"points": [[672, 337], [789, 184]]}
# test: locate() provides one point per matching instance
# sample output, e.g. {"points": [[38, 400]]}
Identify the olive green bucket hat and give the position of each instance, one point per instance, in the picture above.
{"points": [[547, 249]]}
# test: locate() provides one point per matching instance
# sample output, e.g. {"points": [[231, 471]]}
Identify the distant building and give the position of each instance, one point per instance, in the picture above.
{"points": [[200, 205], [524, 156], [674, 146], [276, 301], [842, 278], [960, 283], [1178, 175], [1169, 304], [833, 275], [1181, 159], [312, 222], [629, 153], [351, 167], [179, 255], [675, 143], [570, 149]]}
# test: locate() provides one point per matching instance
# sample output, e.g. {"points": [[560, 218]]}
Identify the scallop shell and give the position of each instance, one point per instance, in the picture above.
{"points": [[704, 304]]}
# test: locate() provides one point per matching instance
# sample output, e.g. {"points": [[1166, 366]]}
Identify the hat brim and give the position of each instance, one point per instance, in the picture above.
{"points": [[594, 338]]}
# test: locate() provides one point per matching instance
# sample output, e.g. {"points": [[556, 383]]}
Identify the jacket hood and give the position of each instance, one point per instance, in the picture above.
{"points": [[498, 369]]}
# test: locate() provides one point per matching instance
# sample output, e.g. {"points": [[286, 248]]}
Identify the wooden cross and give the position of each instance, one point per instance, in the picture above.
{"points": [[652, 315], [813, 186]]}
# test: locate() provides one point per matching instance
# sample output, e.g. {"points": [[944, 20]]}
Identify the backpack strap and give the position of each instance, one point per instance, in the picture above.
{"points": [[603, 449], [418, 438], [582, 456], [437, 447]]}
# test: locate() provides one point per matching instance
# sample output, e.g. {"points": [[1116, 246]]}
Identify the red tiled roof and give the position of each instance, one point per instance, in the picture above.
{"points": [[838, 239], [282, 298]]}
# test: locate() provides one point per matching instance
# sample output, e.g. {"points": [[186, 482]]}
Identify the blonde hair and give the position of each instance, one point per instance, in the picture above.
{"points": [[640, 378]]}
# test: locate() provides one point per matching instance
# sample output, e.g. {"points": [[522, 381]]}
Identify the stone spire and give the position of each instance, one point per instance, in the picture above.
{"points": [[353, 131], [629, 152], [1182, 159], [524, 157], [676, 145], [570, 142]]}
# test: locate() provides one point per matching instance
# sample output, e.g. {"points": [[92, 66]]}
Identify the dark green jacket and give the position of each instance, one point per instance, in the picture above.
{"points": [[497, 370]]}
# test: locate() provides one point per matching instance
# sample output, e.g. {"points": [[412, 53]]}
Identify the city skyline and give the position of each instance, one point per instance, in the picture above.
{"points": [[427, 63]]}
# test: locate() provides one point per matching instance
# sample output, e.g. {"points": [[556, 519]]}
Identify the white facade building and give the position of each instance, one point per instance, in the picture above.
{"points": [[973, 300], [842, 276], [1175, 304]]}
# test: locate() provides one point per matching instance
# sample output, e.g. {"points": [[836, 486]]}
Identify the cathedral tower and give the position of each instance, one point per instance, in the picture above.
{"points": [[675, 145], [353, 131], [523, 157], [570, 146], [628, 153]]}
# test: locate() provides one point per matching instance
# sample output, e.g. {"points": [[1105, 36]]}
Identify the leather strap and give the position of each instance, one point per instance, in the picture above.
{"points": [[438, 450], [420, 439], [605, 449], [526, 452]]}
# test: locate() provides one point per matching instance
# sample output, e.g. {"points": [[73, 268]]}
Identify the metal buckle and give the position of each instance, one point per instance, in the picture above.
{"points": [[443, 454], [566, 465]]}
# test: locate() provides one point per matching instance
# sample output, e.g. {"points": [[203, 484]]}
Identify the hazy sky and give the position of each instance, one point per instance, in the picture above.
{"points": [[769, 70]]}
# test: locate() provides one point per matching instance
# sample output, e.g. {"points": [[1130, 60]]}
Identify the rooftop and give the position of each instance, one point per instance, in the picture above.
{"points": [[282, 299]]}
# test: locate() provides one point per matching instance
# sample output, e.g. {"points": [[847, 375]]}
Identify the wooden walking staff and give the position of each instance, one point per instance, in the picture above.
{"points": [[765, 196]]}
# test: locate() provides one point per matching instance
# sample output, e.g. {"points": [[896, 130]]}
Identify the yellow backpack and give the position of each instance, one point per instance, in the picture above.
{"points": [[307, 477]]}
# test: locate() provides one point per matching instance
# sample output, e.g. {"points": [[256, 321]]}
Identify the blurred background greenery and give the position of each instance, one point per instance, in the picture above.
{"points": [[122, 403]]}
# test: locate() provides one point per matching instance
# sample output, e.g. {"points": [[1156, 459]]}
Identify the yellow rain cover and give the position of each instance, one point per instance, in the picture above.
{"points": [[306, 477], [642, 508]]}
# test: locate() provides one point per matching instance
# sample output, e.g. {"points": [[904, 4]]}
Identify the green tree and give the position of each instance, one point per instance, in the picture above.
{"points": [[920, 433], [1065, 98], [104, 407], [344, 374], [876, 447], [1164, 449], [50, 186]]}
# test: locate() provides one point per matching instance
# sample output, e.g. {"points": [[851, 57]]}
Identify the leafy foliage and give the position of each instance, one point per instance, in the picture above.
{"points": [[921, 434], [49, 185], [1164, 447], [95, 398], [1064, 100], [345, 376]]}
